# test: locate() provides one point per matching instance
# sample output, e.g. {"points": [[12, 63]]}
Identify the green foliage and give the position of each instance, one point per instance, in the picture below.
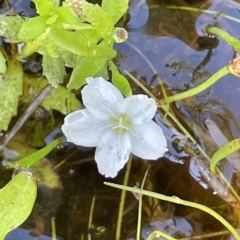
{"points": [[111, 6], [59, 99], [10, 26], [120, 81], [36, 156], [85, 67], [89, 36], [11, 88], [3, 66], [17, 199]]}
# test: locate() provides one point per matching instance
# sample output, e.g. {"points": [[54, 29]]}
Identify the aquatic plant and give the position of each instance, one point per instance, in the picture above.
{"points": [[116, 126]]}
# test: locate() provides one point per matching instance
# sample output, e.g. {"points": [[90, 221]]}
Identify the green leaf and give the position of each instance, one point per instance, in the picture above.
{"points": [[59, 98], [100, 19], [120, 81], [75, 42], [17, 200], [32, 28], [116, 9], [53, 69], [44, 8], [223, 152], [3, 65], [10, 88], [10, 27], [67, 15], [52, 19], [85, 67], [68, 58], [36, 156]]}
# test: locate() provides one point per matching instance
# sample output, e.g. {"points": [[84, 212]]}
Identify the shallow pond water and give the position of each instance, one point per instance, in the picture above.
{"points": [[173, 42]]}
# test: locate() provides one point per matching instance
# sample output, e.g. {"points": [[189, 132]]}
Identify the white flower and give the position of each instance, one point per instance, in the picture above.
{"points": [[116, 126]]}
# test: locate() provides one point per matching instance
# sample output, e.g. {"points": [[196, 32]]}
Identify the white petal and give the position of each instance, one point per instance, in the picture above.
{"points": [[112, 153], [100, 97], [84, 129], [140, 107], [148, 141]]}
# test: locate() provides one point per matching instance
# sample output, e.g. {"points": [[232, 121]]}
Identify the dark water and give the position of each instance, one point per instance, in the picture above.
{"points": [[175, 44]]}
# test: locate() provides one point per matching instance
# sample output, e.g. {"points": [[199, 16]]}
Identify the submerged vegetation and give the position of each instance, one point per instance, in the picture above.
{"points": [[75, 41]]}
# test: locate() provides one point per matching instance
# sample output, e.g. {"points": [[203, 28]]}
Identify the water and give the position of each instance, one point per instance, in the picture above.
{"points": [[168, 39]]}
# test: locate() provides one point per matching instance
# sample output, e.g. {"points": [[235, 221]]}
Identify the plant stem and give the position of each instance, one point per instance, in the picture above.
{"points": [[232, 41], [193, 91], [177, 200]]}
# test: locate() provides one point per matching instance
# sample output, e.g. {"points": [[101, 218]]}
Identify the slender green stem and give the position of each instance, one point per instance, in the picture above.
{"points": [[122, 200], [140, 85], [193, 91], [179, 201], [139, 225], [232, 41]]}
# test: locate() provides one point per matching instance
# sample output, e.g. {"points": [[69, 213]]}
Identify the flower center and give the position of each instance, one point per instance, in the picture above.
{"points": [[122, 123]]}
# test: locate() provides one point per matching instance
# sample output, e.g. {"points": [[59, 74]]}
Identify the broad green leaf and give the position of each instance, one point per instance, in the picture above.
{"points": [[59, 98], [17, 200], [3, 66], [11, 88], [10, 27], [85, 67], [223, 152], [67, 15], [76, 43], [44, 8], [32, 28], [36, 156], [120, 81], [116, 9], [68, 58], [100, 19], [52, 19], [53, 69]]}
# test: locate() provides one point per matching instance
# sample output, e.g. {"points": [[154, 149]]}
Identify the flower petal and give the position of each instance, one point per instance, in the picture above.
{"points": [[100, 97], [148, 141], [112, 153], [84, 129], [140, 107]]}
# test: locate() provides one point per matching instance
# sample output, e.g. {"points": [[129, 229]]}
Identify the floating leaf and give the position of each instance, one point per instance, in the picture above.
{"points": [[10, 88], [59, 98], [53, 69], [120, 81], [115, 9], [223, 152], [10, 27], [17, 200], [85, 67]]}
